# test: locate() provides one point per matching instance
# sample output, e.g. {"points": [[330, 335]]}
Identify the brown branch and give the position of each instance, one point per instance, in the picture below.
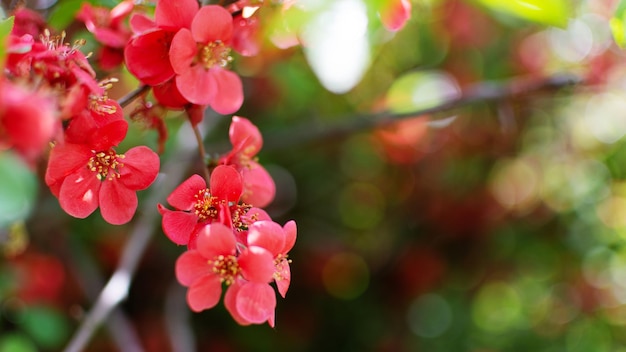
{"points": [[130, 97], [484, 92]]}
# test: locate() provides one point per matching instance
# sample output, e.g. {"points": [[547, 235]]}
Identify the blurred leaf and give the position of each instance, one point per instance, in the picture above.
{"points": [[48, 327], [64, 13], [16, 343], [551, 12], [18, 187], [421, 90], [6, 25], [617, 24]]}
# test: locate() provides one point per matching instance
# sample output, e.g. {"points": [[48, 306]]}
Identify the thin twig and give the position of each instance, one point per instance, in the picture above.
{"points": [[480, 93], [201, 151], [130, 97]]}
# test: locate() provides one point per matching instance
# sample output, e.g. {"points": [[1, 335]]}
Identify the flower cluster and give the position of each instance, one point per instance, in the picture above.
{"points": [[184, 59], [50, 98], [50, 94], [230, 239]]}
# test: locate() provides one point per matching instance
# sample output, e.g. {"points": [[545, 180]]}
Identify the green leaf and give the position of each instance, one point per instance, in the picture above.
{"points": [[617, 24], [15, 342], [18, 187], [47, 326], [64, 13], [550, 12], [6, 26]]}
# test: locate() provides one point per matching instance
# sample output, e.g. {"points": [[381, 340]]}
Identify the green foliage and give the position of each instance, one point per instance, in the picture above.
{"points": [[6, 25], [16, 342], [618, 28], [18, 188], [550, 12], [46, 326]]}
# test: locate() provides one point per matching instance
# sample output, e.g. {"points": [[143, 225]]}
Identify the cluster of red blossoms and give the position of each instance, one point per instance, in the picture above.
{"points": [[51, 104], [230, 239]]}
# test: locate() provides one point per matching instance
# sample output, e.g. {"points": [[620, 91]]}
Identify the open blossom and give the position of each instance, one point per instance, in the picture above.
{"points": [[91, 174], [279, 241], [217, 261], [147, 53], [199, 56], [259, 188], [108, 27], [197, 205]]}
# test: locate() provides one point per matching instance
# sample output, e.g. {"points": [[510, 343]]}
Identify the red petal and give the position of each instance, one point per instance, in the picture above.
{"points": [[259, 185], [175, 13], [216, 239], [147, 56], [284, 273], [245, 136], [230, 302], [268, 235], [141, 23], [184, 196], [108, 135], [65, 159], [178, 225], [226, 183], [183, 50], [228, 97], [117, 203], [141, 167], [291, 231], [190, 266], [220, 25], [168, 95], [78, 195], [204, 293], [197, 85], [256, 302], [257, 264]]}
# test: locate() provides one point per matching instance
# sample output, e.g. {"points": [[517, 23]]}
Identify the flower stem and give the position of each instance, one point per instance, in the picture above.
{"points": [[202, 152]]}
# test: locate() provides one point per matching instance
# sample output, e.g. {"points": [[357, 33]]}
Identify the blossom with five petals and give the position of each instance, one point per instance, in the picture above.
{"points": [[197, 205], [91, 174], [199, 56], [216, 261]]}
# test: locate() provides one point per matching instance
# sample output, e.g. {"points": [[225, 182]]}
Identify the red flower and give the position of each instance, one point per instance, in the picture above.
{"points": [[246, 36], [199, 56], [147, 54], [196, 205], [395, 13], [27, 120], [216, 261], [108, 28], [259, 188], [279, 241], [92, 174]]}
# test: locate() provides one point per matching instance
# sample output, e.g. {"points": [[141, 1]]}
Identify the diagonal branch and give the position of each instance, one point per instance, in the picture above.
{"points": [[479, 93]]}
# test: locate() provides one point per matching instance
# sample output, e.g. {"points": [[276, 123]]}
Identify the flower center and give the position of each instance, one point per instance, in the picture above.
{"points": [[214, 54], [205, 206], [226, 267], [106, 164]]}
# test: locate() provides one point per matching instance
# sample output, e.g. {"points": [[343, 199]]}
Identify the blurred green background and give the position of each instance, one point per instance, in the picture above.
{"points": [[499, 226]]}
